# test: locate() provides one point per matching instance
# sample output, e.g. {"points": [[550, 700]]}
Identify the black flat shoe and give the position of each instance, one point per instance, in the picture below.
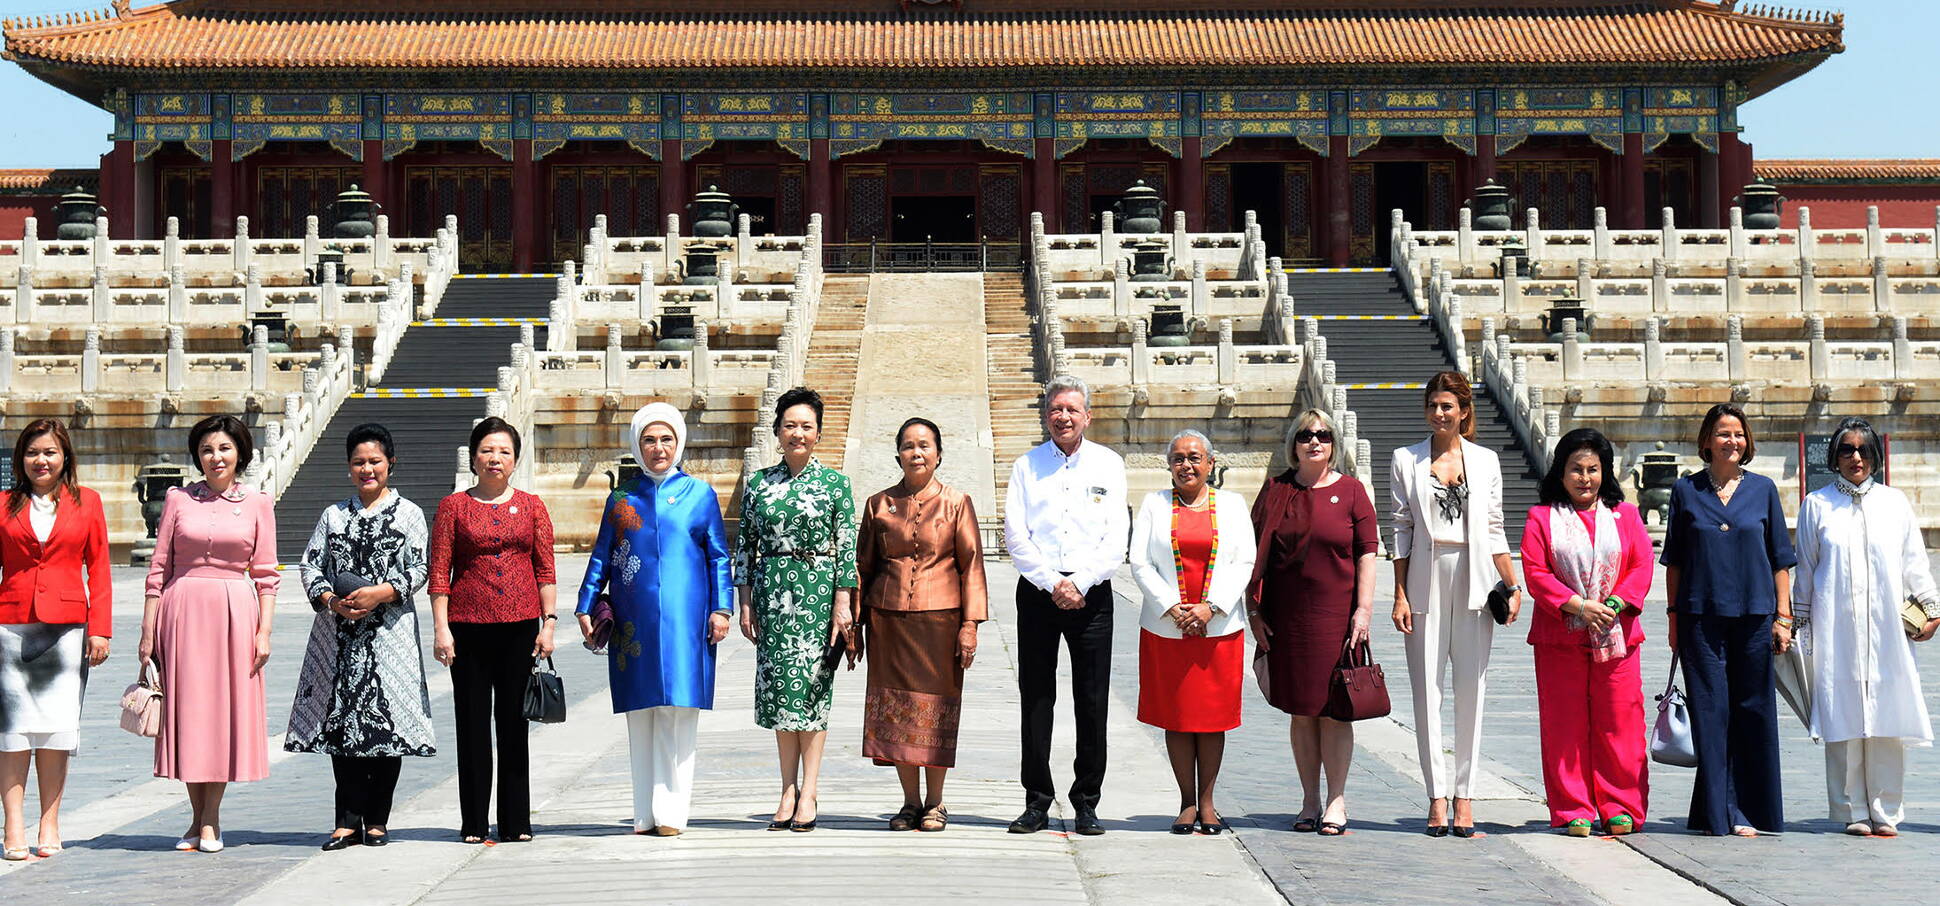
{"points": [[344, 842], [1436, 830], [1088, 825], [1331, 829], [1463, 831], [1214, 828], [1306, 825], [1030, 822], [1186, 827], [376, 839]]}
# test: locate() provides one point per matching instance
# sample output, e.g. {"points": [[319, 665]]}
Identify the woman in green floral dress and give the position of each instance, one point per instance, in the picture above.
{"points": [[795, 572]]}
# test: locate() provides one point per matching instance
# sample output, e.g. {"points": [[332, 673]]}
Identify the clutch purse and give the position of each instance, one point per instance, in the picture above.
{"points": [[341, 585], [1358, 689], [602, 617], [1499, 603], [1670, 739], [545, 695], [1913, 618], [1263, 674], [141, 706]]}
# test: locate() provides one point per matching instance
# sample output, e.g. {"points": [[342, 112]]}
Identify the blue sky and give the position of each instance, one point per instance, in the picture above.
{"points": [[1873, 100]]}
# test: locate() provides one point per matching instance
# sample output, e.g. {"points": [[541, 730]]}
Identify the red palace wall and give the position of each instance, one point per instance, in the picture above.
{"points": [[1844, 207]]}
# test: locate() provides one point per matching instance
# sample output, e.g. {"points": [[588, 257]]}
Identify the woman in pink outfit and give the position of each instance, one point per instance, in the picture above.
{"points": [[205, 623], [1587, 560]]}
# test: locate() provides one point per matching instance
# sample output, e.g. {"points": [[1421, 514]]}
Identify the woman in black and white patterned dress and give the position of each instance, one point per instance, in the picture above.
{"points": [[361, 698]]}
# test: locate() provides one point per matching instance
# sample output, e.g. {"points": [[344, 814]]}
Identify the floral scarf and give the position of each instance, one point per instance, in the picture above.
{"points": [[1588, 568]]}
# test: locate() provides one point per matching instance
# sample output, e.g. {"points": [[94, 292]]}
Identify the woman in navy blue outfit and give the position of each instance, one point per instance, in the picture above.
{"points": [[1727, 561]]}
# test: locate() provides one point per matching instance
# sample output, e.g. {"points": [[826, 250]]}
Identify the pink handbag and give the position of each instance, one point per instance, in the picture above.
{"points": [[141, 706]]}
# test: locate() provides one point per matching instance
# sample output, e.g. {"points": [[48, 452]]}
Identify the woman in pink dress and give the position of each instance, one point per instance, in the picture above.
{"points": [[205, 623]]}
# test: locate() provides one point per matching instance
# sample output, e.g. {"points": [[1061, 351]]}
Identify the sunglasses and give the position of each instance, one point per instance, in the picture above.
{"points": [[1845, 450], [1324, 436]]}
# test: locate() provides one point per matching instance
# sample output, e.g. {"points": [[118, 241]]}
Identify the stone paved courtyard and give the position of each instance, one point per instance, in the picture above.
{"points": [[120, 821]]}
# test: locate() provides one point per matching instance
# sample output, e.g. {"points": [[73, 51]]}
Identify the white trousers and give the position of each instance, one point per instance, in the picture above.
{"points": [[1448, 637], [661, 743], [1865, 780]]}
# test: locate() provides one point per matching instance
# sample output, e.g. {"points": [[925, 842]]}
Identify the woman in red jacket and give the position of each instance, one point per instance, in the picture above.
{"points": [[54, 614]]}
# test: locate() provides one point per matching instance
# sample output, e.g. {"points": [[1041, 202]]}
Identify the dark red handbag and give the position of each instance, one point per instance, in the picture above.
{"points": [[1358, 690]]}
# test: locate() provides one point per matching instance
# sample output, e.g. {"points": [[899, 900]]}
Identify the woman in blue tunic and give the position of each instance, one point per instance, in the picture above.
{"points": [[662, 561], [1727, 573]]}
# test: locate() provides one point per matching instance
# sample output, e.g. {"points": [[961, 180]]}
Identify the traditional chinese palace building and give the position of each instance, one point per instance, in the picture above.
{"points": [[905, 119]]}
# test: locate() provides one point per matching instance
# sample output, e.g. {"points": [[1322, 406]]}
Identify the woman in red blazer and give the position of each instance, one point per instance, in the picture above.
{"points": [[55, 621]]}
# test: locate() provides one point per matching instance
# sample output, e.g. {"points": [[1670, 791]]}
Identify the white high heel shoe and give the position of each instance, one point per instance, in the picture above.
{"points": [[186, 844]]}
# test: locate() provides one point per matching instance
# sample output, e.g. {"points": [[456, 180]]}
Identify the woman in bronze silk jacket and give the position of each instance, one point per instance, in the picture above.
{"points": [[921, 565]]}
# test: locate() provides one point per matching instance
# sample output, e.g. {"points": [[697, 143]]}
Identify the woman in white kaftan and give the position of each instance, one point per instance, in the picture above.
{"points": [[1860, 560]]}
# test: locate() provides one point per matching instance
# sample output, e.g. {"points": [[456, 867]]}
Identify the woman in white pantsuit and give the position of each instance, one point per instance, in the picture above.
{"points": [[1449, 551], [1860, 560]]}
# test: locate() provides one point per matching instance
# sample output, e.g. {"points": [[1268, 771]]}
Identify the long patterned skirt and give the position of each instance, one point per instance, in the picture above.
{"points": [[915, 695]]}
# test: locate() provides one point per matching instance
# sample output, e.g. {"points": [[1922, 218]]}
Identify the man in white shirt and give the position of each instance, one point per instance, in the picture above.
{"points": [[1066, 524]]}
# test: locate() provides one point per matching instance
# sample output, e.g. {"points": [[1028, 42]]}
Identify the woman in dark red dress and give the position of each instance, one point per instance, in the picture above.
{"points": [[1313, 594]]}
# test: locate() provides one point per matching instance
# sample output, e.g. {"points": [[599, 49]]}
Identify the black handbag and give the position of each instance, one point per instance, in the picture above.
{"points": [[545, 695], [1499, 603]]}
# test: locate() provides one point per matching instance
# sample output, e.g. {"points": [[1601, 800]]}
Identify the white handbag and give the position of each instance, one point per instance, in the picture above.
{"points": [[1670, 739]]}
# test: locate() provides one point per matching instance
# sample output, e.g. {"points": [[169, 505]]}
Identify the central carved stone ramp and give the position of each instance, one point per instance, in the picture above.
{"points": [[432, 391], [1014, 387], [923, 354], [834, 349], [1383, 354]]}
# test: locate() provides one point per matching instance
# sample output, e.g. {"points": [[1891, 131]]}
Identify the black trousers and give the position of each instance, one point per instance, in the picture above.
{"points": [[1728, 669], [365, 786], [488, 678], [1087, 632]]}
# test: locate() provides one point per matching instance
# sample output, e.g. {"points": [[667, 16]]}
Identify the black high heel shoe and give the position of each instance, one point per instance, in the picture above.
{"points": [[803, 827], [335, 844], [1214, 828]]}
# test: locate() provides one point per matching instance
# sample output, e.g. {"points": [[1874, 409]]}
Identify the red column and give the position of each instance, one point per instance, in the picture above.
{"points": [[1633, 181], [1710, 190], [1484, 159], [1044, 183], [1339, 224], [374, 175], [1730, 180], [222, 191], [1190, 177], [673, 181], [524, 187], [119, 171], [821, 189]]}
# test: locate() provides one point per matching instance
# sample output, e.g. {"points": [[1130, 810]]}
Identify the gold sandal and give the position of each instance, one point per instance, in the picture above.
{"points": [[934, 820]]}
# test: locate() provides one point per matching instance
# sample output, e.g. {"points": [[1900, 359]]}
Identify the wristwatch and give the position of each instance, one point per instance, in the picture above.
{"points": [[550, 616]]}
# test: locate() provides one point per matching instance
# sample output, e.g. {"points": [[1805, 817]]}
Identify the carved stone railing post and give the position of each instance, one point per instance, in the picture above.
{"points": [[101, 293], [1820, 358], [175, 371], [615, 358], [239, 249], [1141, 354], [91, 359], [1226, 360], [1653, 349], [172, 243], [1737, 361], [1660, 285], [1902, 349]]}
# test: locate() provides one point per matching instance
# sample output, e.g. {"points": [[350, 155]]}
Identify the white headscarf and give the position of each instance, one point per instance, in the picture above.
{"points": [[666, 414]]}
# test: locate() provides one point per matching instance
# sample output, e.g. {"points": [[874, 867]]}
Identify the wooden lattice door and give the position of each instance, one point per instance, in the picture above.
{"points": [[481, 196]]}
